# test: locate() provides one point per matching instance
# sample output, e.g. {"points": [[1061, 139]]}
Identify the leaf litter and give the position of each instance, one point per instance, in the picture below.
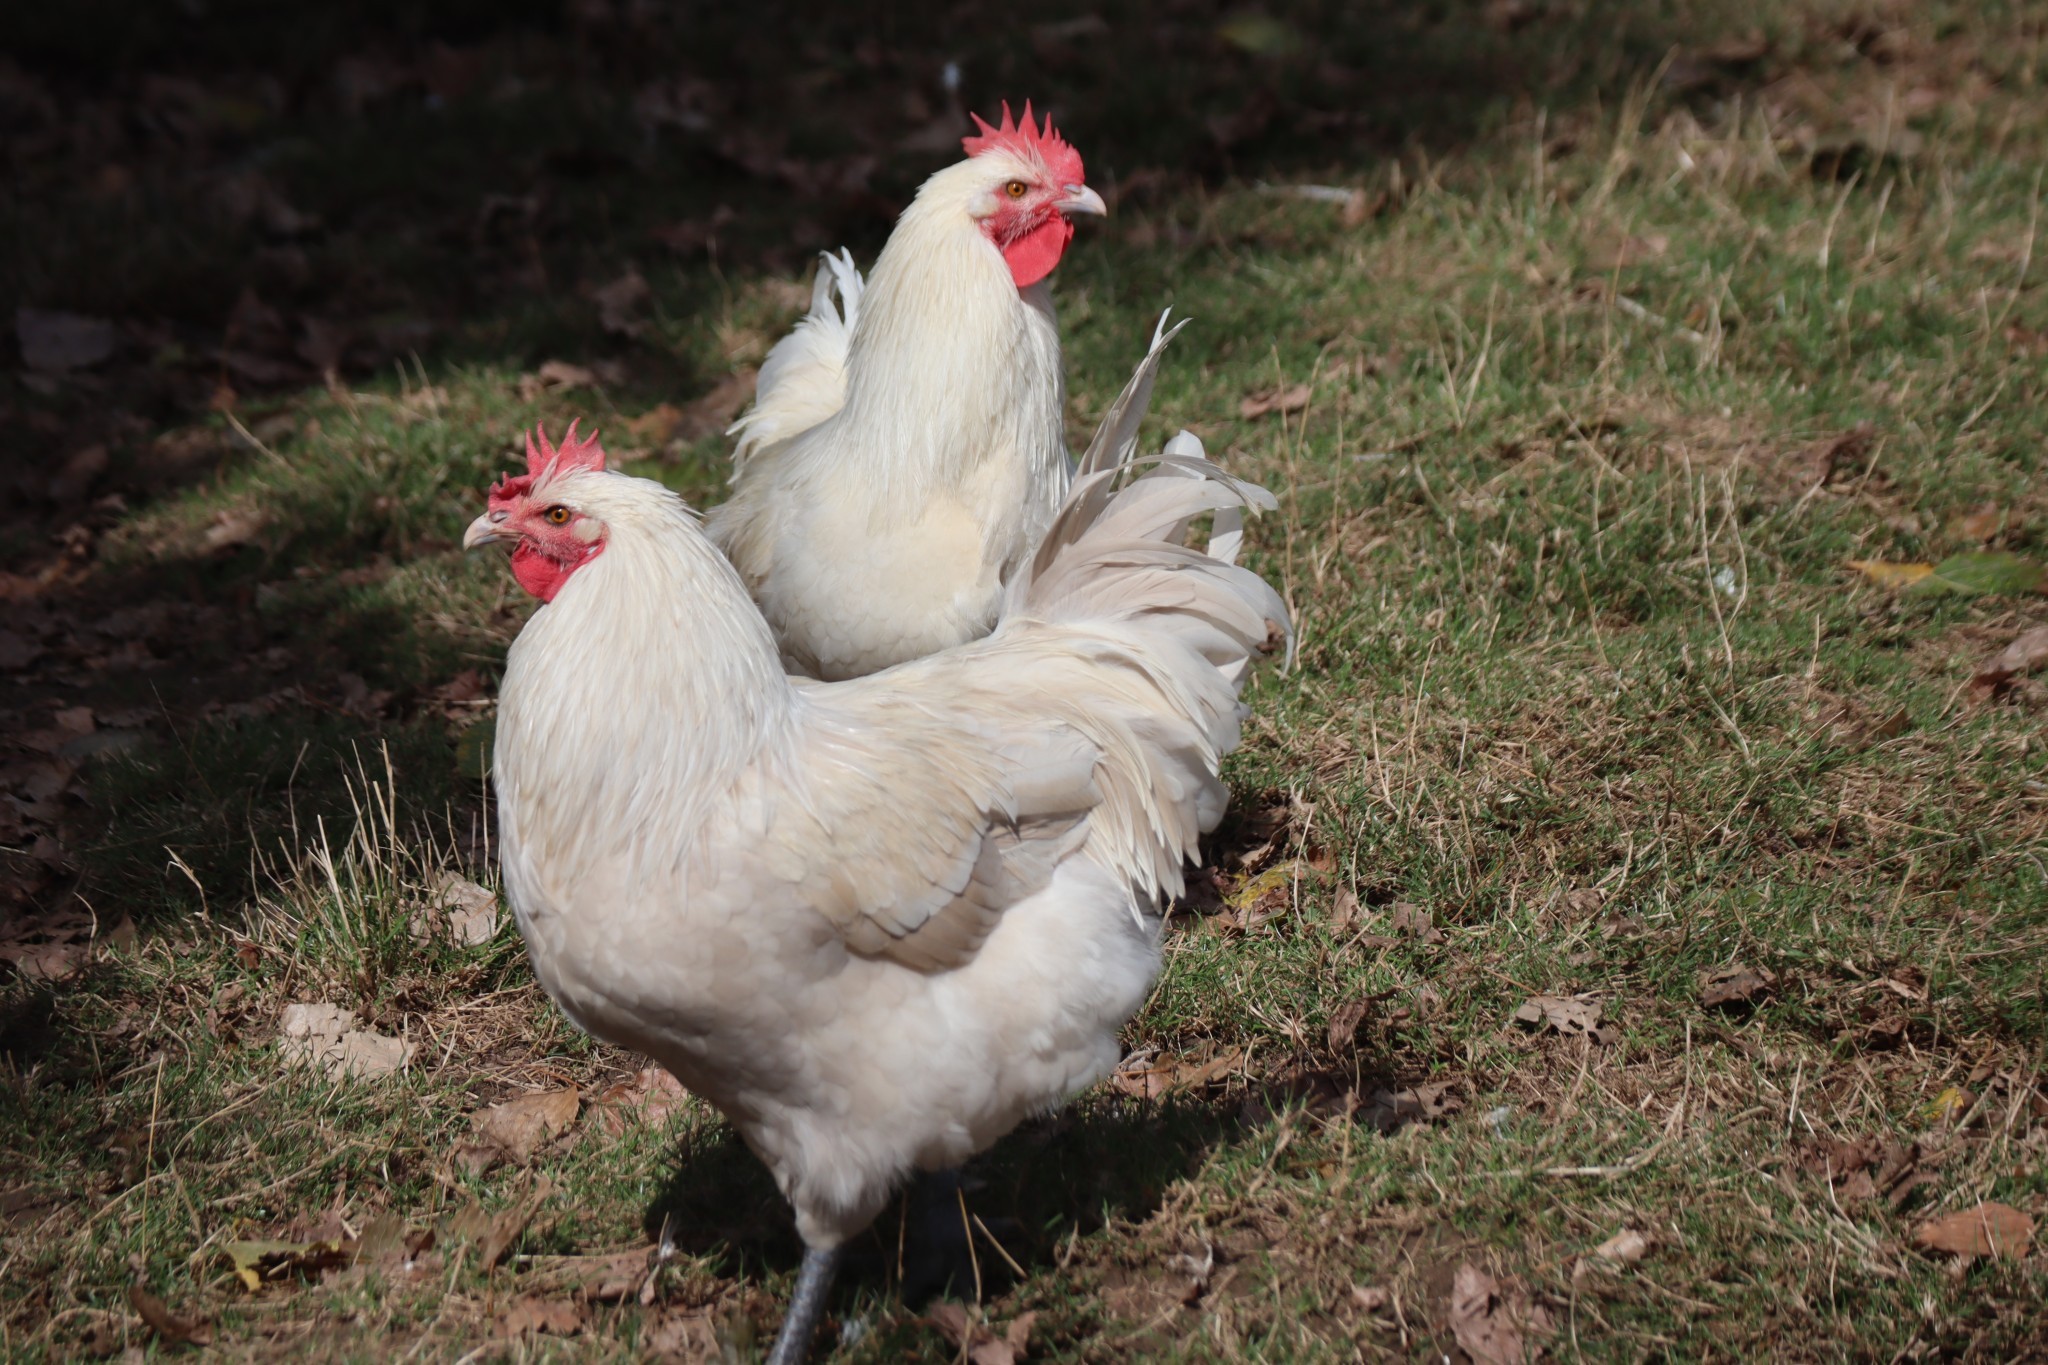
{"points": [[1990, 1229], [325, 1034]]}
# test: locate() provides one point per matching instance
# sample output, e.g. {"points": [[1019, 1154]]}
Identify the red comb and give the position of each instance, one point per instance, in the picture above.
{"points": [[1027, 140], [571, 454]]}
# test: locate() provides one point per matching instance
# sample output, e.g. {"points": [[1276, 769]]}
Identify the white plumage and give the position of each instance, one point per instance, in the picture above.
{"points": [[877, 922], [906, 447]]}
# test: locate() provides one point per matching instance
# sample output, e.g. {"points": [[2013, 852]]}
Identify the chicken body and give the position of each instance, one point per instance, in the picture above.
{"points": [[906, 447], [880, 922]]}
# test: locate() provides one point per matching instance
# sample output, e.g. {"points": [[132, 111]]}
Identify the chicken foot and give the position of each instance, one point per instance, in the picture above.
{"points": [[806, 1306]]}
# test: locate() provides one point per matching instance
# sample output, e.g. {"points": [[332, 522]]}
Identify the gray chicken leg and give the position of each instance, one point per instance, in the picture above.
{"points": [[806, 1306]]}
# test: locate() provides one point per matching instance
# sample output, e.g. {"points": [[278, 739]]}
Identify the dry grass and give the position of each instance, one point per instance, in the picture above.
{"points": [[1603, 392]]}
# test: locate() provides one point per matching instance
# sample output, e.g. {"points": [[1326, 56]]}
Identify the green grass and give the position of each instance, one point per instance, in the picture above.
{"points": [[1582, 675]]}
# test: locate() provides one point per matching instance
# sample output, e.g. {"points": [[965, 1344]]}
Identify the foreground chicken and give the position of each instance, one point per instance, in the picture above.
{"points": [[878, 922], [905, 450]]}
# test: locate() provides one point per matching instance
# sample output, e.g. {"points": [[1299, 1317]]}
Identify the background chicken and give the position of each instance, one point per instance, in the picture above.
{"points": [[877, 922], [905, 450]]}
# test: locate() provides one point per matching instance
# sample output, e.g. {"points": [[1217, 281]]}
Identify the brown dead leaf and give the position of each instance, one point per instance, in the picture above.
{"points": [[1625, 1247], [1979, 526], [1414, 921], [619, 303], [1821, 461], [1343, 910], [533, 1315], [555, 376], [1389, 1111], [493, 1233], [1349, 1017], [520, 1127], [57, 343], [49, 947], [649, 1097], [712, 412], [234, 526], [1370, 1298], [1735, 988], [978, 1339], [1287, 398], [1625, 251], [657, 426], [171, 1328], [326, 1034], [458, 907], [1495, 1321], [1573, 1016], [1148, 1077], [1990, 1229], [2023, 655]]}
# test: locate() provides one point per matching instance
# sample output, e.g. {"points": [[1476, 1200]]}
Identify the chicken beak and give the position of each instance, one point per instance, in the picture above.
{"points": [[1081, 199], [487, 529]]}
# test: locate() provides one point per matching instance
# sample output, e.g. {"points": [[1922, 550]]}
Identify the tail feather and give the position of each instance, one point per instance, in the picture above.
{"points": [[803, 380], [1154, 639], [1116, 438]]}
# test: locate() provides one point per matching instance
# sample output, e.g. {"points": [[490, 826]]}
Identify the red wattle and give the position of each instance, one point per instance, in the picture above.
{"points": [[541, 574], [1032, 257]]}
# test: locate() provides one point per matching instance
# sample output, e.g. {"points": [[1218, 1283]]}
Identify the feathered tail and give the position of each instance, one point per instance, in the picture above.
{"points": [[1151, 640], [803, 380]]}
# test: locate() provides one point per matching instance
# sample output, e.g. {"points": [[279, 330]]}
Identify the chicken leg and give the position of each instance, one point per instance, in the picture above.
{"points": [[806, 1306]]}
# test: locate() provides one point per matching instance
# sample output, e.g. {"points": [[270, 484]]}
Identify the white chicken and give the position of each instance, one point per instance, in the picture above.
{"points": [[877, 923], [905, 449]]}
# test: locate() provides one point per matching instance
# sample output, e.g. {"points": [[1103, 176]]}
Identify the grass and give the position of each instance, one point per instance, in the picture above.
{"points": [[1586, 706]]}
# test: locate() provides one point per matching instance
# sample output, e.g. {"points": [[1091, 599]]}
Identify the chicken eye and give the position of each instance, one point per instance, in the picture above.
{"points": [[557, 516], [1016, 189]]}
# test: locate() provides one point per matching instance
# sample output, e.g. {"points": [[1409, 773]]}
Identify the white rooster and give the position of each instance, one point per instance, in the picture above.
{"points": [[877, 922], [905, 449]]}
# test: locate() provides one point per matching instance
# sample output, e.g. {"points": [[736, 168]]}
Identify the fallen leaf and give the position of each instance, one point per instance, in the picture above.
{"points": [[1990, 1229], [368, 1055], [980, 1343], [1286, 399], [1820, 461], [56, 342], [619, 303], [1624, 1248], [1347, 1018], [1980, 525], [1621, 253], [233, 526], [326, 1034], [1344, 910], [1151, 1078], [1951, 1105], [171, 1328], [1261, 35], [555, 376], [657, 426], [712, 412], [1734, 988], [2023, 655], [1568, 1015], [532, 1315], [1978, 572], [1493, 1321], [649, 1097], [1414, 921], [259, 1263], [519, 1127], [1886, 574], [1389, 1111], [466, 912], [493, 1233], [1370, 1298]]}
